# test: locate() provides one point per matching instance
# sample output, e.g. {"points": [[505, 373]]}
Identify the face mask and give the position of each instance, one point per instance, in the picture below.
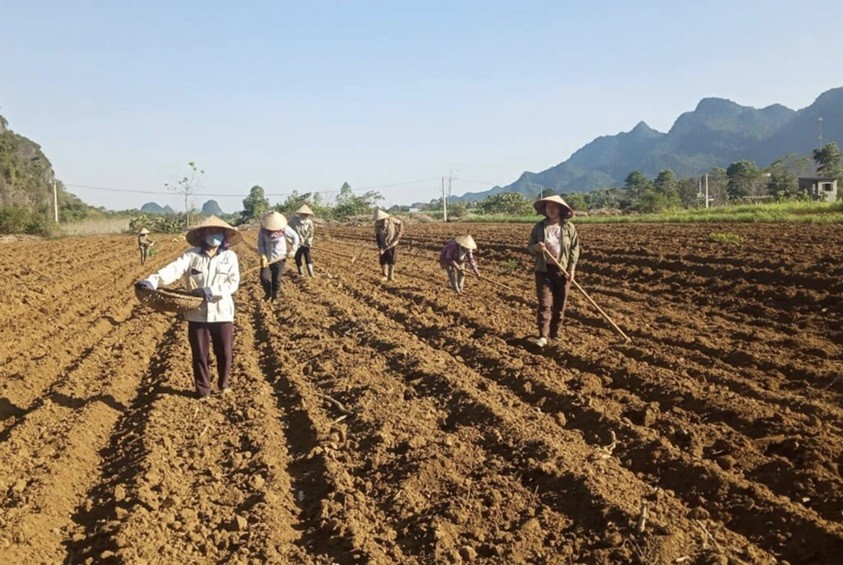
{"points": [[214, 239]]}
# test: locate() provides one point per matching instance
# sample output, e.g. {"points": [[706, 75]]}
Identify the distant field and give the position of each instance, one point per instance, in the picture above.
{"points": [[819, 212], [96, 227]]}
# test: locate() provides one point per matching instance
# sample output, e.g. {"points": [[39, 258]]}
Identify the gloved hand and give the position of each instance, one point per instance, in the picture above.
{"points": [[201, 292], [264, 262], [144, 284]]}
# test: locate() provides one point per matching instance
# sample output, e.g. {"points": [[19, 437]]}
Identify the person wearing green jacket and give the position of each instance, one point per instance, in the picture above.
{"points": [[554, 237]]}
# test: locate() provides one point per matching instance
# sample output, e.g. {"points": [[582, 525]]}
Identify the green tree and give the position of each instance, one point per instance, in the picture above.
{"points": [[741, 176], [783, 185], [828, 161], [512, 203], [350, 204], [295, 201], [186, 186], [576, 201], [256, 203]]}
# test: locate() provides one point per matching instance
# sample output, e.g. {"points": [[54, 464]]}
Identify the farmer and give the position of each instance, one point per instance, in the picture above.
{"points": [[303, 226], [452, 257], [144, 244], [272, 247], [554, 237], [210, 270], [388, 231]]}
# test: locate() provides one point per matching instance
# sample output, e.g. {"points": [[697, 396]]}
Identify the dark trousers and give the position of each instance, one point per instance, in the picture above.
{"points": [[271, 279], [388, 256], [144, 254], [201, 335], [303, 251], [552, 290]]}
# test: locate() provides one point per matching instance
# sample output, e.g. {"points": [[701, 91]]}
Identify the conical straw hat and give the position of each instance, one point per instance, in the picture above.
{"points": [[305, 209], [466, 241], [144, 231], [273, 221], [541, 204], [380, 215], [196, 234]]}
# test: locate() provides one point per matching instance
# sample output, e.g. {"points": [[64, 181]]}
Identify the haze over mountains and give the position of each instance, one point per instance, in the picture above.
{"points": [[716, 133]]}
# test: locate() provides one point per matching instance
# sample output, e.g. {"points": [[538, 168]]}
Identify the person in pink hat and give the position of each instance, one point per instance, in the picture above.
{"points": [[555, 237]]}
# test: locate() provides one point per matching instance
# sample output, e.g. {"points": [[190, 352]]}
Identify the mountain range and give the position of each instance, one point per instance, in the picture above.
{"points": [[209, 208], [716, 133]]}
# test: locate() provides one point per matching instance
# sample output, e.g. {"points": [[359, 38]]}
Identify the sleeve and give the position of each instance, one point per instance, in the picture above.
{"points": [[575, 249], [262, 244], [228, 284], [473, 262], [293, 235], [172, 272], [534, 240], [399, 233]]}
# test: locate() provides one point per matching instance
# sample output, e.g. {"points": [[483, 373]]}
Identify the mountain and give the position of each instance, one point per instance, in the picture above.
{"points": [[211, 208], [716, 133], [155, 208], [26, 174]]}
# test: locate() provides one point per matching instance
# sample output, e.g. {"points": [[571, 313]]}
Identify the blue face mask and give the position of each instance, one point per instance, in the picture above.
{"points": [[214, 239]]}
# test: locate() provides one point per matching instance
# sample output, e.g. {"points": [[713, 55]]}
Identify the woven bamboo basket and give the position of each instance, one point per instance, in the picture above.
{"points": [[168, 299]]}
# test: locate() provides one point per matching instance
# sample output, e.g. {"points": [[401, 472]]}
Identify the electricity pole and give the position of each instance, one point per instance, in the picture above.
{"points": [[444, 202], [820, 120], [55, 202], [706, 190]]}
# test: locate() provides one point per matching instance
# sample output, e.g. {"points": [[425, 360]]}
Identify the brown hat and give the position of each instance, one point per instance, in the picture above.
{"points": [[273, 221], [541, 205], [144, 231], [380, 215], [304, 209], [195, 234], [466, 241]]}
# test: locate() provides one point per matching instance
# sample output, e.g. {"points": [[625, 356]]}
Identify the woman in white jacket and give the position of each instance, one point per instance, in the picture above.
{"points": [[272, 248], [210, 270]]}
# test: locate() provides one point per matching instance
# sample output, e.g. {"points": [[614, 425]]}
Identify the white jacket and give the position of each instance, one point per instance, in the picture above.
{"points": [[219, 274], [276, 249]]}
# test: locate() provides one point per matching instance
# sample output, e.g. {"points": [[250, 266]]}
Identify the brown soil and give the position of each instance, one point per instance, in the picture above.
{"points": [[396, 422]]}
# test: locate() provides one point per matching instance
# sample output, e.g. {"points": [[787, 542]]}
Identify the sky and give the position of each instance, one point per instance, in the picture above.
{"points": [[391, 95]]}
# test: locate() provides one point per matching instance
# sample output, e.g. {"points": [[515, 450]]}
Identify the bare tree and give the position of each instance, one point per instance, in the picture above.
{"points": [[186, 186]]}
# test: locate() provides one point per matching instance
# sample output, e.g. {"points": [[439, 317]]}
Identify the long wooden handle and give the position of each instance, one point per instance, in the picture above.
{"points": [[576, 284]]}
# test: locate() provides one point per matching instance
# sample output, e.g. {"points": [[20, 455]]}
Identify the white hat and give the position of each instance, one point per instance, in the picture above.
{"points": [[195, 235], [466, 241], [380, 215], [144, 231], [541, 206], [304, 209], [273, 221]]}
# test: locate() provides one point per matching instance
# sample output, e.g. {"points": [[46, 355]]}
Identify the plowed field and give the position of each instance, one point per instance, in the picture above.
{"points": [[394, 422]]}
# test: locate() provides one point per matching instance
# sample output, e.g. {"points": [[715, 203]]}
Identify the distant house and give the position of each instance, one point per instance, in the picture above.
{"points": [[821, 188]]}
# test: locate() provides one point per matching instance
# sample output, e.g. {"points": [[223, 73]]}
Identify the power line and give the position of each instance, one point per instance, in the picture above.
{"points": [[240, 195]]}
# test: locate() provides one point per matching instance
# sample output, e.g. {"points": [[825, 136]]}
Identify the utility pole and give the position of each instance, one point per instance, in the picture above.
{"points": [[706, 190], [444, 202], [55, 202], [820, 120]]}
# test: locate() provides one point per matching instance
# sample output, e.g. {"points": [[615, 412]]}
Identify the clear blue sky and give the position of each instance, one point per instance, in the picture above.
{"points": [[306, 95]]}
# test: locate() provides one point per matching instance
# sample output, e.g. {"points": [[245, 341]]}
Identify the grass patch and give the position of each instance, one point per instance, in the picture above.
{"points": [[817, 212], [726, 238]]}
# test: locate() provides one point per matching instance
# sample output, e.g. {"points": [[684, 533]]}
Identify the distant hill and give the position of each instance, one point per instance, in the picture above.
{"points": [[155, 208], [211, 208], [716, 133]]}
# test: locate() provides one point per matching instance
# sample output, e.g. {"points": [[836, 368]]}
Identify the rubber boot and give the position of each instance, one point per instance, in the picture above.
{"points": [[298, 268], [389, 271], [384, 271], [310, 269]]}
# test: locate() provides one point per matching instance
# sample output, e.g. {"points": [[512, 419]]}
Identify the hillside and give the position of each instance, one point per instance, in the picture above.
{"points": [[26, 179], [716, 133]]}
